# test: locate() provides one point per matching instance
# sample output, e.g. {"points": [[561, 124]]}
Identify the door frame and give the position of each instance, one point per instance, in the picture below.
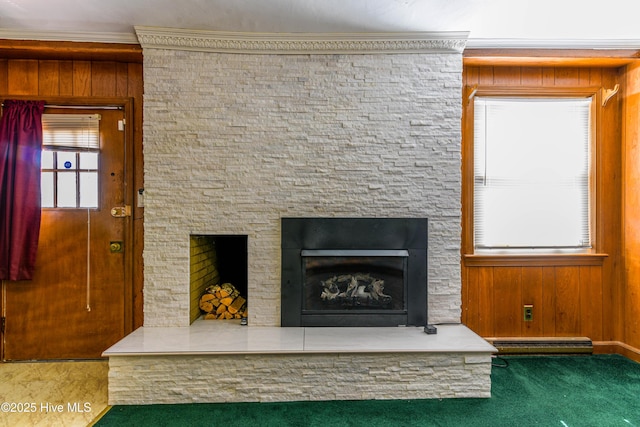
{"points": [[134, 255]]}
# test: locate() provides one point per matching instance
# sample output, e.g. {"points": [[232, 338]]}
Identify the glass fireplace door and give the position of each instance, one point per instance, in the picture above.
{"points": [[354, 282]]}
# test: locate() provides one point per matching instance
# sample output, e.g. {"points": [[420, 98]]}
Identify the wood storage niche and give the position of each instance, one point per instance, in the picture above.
{"points": [[218, 276]]}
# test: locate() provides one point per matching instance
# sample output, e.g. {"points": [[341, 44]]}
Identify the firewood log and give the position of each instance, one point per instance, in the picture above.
{"points": [[226, 301], [212, 289], [206, 306], [205, 303], [236, 305], [223, 302], [206, 297]]}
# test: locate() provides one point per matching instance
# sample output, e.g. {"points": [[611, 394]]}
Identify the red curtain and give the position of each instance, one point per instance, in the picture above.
{"points": [[20, 151]]}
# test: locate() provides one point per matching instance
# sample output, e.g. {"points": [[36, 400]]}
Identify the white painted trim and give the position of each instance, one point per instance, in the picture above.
{"points": [[69, 36], [171, 38], [596, 44], [157, 37], [300, 43]]}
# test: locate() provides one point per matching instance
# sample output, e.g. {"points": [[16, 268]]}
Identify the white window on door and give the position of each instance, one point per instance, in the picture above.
{"points": [[532, 173], [70, 161]]}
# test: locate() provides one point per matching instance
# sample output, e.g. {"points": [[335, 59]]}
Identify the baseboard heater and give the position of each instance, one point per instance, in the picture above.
{"points": [[571, 345]]}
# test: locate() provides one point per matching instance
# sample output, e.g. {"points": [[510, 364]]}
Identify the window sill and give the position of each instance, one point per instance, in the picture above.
{"points": [[501, 260]]}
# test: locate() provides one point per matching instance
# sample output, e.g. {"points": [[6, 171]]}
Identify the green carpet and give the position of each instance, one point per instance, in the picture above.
{"points": [[602, 390]]}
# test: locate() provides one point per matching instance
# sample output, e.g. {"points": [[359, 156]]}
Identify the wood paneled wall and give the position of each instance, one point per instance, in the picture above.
{"points": [[71, 77], [567, 301], [631, 144], [600, 301], [571, 296], [32, 77]]}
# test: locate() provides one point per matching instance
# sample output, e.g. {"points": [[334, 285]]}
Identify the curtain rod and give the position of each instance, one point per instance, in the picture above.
{"points": [[82, 107]]}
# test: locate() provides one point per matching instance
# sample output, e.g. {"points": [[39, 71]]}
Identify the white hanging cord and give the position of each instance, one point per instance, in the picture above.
{"points": [[88, 250], [88, 260], [4, 298], [87, 138]]}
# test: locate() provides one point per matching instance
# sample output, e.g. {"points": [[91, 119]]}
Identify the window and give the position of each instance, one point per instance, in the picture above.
{"points": [[70, 159], [532, 173]]}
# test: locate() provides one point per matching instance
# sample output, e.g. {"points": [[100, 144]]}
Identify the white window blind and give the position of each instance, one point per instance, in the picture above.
{"points": [[531, 173], [71, 131], [70, 161]]}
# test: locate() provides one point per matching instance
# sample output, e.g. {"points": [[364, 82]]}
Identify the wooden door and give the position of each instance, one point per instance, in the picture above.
{"points": [[77, 304]]}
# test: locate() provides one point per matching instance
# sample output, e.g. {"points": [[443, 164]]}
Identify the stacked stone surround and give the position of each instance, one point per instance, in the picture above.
{"points": [[261, 378], [233, 142]]}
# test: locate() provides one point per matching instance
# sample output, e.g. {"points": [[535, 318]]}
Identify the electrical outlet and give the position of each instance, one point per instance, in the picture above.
{"points": [[528, 313]]}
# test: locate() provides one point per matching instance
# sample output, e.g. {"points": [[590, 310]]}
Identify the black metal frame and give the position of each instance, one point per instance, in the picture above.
{"points": [[300, 234]]}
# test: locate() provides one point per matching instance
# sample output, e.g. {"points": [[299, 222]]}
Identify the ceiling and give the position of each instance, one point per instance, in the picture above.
{"points": [[490, 23]]}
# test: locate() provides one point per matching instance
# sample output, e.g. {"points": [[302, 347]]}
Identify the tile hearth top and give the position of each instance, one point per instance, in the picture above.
{"points": [[229, 337]]}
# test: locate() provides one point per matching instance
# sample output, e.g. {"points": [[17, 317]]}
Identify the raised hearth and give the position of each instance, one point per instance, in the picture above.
{"points": [[175, 364]]}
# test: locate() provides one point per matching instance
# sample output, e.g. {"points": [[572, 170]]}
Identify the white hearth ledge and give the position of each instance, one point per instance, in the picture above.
{"points": [[229, 337]]}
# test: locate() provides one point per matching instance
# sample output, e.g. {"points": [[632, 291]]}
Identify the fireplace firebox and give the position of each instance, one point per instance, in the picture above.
{"points": [[354, 272]]}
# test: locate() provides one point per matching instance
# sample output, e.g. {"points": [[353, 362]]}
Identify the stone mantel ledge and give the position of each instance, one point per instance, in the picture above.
{"points": [[301, 43], [211, 337]]}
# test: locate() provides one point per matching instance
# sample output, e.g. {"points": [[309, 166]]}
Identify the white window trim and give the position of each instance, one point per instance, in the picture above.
{"points": [[506, 91]]}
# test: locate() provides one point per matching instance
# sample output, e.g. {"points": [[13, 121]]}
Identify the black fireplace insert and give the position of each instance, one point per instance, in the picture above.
{"points": [[354, 271]]}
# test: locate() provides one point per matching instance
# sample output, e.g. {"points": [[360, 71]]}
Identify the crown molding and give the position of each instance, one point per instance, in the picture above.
{"points": [[300, 43], [69, 36], [599, 44]]}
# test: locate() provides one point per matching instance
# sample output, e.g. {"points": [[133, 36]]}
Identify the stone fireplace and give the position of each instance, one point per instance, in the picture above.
{"points": [[354, 272], [241, 131], [235, 141]]}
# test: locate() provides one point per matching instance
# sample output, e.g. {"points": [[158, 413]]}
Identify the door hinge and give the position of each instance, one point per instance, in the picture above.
{"points": [[3, 323], [121, 124]]}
